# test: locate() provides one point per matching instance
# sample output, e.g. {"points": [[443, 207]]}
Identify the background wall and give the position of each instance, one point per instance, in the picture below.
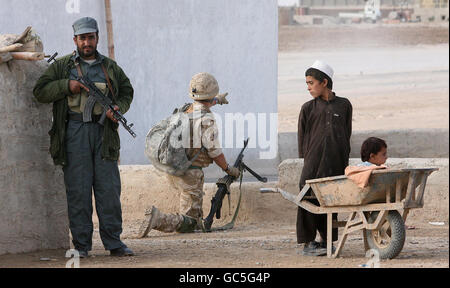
{"points": [[161, 44]]}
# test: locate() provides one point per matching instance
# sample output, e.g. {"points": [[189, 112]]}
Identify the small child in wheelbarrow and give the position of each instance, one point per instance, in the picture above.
{"points": [[373, 157], [373, 152]]}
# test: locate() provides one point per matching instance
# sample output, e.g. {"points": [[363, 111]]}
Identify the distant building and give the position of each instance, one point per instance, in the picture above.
{"points": [[431, 10], [416, 10]]}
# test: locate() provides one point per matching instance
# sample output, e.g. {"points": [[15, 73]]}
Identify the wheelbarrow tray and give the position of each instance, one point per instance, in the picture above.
{"points": [[387, 190], [341, 191]]}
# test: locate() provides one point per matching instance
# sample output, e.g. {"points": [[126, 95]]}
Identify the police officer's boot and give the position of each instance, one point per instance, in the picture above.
{"points": [[149, 222]]}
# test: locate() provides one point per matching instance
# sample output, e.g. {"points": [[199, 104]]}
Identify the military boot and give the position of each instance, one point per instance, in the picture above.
{"points": [[188, 225], [149, 222]]}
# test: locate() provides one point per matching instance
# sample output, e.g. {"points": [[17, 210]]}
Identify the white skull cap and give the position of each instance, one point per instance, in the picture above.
{"points": [[323, 67]]}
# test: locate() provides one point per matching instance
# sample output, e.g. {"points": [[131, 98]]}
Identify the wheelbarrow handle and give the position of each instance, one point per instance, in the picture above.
{"points": [[286, 195], [268, 190]]}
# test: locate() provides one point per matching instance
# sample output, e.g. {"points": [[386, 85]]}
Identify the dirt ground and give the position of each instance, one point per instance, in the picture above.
{"points": [[313, 38], [396, 77], [247, 245]]}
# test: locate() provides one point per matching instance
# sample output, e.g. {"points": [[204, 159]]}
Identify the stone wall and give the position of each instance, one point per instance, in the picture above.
{"points": [[33, 209], [144, 186], [406, 143]]}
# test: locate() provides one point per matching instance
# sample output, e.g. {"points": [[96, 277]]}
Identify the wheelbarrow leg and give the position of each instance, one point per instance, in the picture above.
{"points": [[329, 234], [341, 242], [405, 214], [366, 244]]}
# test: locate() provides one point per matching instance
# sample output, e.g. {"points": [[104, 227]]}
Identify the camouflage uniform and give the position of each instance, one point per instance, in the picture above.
{"points": [[203, 134], [191, 201], [204, 144]]}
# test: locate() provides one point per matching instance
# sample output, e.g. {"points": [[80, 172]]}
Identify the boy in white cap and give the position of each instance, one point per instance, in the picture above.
{"points": [[324, 130]]}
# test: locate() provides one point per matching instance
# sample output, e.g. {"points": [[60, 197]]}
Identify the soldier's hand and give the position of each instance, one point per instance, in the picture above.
{"points": [[110, 114], [233, 171], [221, 99], [75, 87]]}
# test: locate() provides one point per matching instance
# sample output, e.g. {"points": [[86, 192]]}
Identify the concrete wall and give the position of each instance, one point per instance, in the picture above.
{"points": [[436, 207], [143, 186], [33, 208], [408, 143], [160, 44]]}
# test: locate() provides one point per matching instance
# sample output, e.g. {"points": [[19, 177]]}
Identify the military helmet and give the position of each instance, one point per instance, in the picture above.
{"points": [[203, 86]]}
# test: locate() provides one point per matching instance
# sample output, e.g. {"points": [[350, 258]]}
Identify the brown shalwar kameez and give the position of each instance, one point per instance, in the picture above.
{"points": [[324, 130]]}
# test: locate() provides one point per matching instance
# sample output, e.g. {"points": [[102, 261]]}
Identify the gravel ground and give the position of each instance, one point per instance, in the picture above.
{"points": [[257, 246], [304, 38]]}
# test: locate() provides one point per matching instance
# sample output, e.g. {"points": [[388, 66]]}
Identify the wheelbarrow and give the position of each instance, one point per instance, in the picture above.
{"points": [[379, 210]]}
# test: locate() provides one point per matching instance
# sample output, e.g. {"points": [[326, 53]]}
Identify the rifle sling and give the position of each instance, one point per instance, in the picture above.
{"points": [[108, 81], [230, 225], [77, 65], [196, 155]]}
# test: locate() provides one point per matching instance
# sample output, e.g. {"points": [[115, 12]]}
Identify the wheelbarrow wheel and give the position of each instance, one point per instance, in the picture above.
{"points": [[390, 238]]}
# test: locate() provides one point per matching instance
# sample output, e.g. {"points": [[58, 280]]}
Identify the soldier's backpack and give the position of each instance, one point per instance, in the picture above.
{"points": [[164, 143]]}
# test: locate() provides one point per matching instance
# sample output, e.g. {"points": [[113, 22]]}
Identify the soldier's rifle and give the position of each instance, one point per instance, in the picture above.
{"points": [[223, 185]]}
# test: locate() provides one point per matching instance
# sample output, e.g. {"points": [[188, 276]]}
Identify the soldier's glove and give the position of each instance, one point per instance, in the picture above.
{"points": [[233, 171], [221, 99]]}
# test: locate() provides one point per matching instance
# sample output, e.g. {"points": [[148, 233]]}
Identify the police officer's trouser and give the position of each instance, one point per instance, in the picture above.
{"points": [[191, 201], [86, 170]]}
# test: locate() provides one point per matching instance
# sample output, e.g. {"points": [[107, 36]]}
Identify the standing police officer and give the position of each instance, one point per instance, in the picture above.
{"points": [[87, 150]]}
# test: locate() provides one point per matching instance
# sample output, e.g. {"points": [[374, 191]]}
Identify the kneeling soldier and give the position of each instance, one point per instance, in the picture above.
{"points": [[204, 90]]}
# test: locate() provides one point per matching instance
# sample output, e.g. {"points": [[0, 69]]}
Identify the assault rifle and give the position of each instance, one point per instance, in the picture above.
{"points": [[106, 102], [223, 185]]}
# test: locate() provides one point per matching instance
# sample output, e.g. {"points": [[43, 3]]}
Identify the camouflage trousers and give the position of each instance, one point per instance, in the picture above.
{"points": [[191, 201]]}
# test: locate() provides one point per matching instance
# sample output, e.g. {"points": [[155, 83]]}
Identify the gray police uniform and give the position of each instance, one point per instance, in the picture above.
{"points": [[86, 170]]}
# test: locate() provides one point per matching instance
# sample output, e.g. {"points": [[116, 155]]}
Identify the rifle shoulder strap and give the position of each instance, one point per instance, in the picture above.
{"points": [[108, 81], [203, 149], [77, 65]]}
